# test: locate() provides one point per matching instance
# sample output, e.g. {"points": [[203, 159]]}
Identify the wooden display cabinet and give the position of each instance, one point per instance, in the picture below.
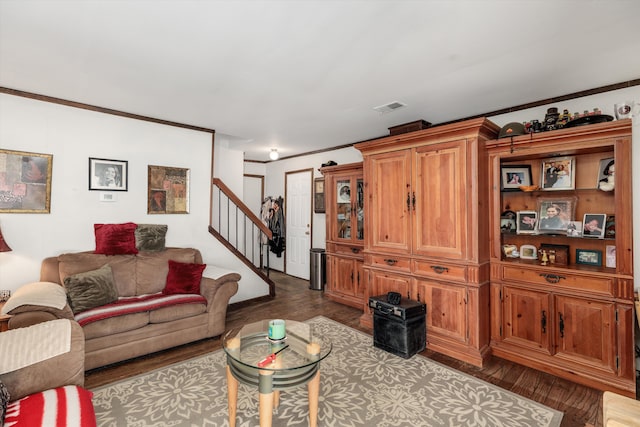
{"points": [[575, 320], [426, 235], [344, 201]]}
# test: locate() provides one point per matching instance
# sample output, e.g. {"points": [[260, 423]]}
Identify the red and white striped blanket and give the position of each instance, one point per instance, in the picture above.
{"points": [[136, 304], [68, 406]]}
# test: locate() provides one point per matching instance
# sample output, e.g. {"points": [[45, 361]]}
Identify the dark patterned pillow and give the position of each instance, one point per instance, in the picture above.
{"points": [[151, 237], [4, 401], [90, 289]]}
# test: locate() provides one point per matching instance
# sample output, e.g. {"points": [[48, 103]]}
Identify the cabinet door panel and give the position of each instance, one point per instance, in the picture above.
{"points": [[527, 318], [446, 309], [345, 276], [585, 332], [388, 192], [440, 198], [382, 283]]}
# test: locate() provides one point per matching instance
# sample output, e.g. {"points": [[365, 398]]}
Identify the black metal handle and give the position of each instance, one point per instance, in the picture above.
{"points": [[552, 278], [355, 250], [358, 278], [413, 200], [561, 325], [544, 322], [439, 269], [352, 277], [391, 261], [408, 201]]}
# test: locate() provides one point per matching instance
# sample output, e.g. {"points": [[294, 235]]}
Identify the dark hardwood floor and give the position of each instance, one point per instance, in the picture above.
{"points": [[294, 300]]}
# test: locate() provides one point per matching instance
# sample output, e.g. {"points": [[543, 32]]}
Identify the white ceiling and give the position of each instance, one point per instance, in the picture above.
{"points": [[305, 75]]}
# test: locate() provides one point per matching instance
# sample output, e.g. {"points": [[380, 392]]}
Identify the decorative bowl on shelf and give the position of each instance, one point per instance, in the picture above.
{"points": [[529, 188]]}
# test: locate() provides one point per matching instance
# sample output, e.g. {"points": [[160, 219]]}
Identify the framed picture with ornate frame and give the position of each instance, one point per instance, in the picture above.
{"points": [[168, 190], [26, 181], [514, 176], [558, 174]]}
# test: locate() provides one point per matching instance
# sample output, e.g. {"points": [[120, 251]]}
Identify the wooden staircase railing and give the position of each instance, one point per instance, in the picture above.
{"points": [[240, 230]]}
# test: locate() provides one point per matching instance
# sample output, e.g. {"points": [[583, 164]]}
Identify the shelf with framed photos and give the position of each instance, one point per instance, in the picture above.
{"points": [[344, 204], [569, 309]]}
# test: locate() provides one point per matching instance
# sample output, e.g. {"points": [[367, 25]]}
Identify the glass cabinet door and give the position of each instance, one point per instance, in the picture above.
{"points": [[343, 211], [359, 209]]}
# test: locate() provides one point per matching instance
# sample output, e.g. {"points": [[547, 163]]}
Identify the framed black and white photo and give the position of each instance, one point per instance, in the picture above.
{"points": [[558, 174], [589, 257], [507, 224], [513, 176], [593, 225], [526, 222], [108, 175]]}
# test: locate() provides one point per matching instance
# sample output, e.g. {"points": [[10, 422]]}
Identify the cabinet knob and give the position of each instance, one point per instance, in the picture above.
{"points": [[355, 250], [552, 278], [391, 261]]}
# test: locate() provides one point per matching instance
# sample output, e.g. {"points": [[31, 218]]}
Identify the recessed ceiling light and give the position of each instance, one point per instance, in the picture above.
{"points": [[391, 106]]}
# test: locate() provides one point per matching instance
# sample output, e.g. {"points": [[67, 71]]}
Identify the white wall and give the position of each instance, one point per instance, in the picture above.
{"points": [[73, 135]]}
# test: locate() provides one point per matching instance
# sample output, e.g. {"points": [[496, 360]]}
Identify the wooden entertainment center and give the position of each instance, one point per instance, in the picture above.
{"points": [[431, 230]]}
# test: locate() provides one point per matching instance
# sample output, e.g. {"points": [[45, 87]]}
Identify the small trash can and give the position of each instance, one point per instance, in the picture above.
{"points": [[317, 268]]}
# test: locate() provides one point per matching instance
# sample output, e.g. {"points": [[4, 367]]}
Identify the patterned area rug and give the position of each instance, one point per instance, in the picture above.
{"points": [[360, 385]]}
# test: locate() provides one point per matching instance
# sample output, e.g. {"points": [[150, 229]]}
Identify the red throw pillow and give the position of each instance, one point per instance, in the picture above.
{"points": [[115, 239], [183, 278], [64, 406]]}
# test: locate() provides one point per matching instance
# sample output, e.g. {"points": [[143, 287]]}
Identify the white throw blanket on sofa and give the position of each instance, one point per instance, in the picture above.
{"points": [[25, 346]]}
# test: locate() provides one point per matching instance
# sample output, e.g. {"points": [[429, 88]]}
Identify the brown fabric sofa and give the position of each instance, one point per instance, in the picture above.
{"points": [[126, 336]]}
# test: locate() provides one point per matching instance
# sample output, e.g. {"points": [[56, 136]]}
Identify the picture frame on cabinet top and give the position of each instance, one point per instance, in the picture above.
{"points": [[558, 173]]}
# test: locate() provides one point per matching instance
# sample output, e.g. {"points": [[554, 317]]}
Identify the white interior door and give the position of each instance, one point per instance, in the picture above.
{"points": [[298, 223]]}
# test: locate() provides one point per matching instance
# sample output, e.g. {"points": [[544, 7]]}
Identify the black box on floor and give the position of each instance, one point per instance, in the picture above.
{"points": [[399, 328]]}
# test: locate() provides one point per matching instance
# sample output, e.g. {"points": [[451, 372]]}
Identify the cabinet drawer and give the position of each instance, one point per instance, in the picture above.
{"points": [[353, 250], [563, 279], [390, 262], [441, 271]]}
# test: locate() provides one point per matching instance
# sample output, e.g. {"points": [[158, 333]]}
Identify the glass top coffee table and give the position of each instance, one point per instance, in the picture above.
{"points": [[297, 362]]}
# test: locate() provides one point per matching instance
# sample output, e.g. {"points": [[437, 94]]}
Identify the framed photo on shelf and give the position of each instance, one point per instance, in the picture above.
{"points": [[557, 254], [528, 252], [574, 229], [513, 176], [507, 224], [26, 181], [607, 169], [610, 256], [318, 196], [108, 175], [610, 227], [593, 225], [526, 222], [589, 257], [558, 174], [555, 213]]}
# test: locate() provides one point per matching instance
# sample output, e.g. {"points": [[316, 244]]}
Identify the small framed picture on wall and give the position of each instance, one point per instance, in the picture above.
{"points": [[108, 175]]}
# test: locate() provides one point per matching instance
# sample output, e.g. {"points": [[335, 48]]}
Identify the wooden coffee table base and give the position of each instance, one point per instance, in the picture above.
{"points": [[270, 398]]}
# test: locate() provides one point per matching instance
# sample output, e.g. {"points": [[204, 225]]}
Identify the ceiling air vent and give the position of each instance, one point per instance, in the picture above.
{"points": [[387, 108]]}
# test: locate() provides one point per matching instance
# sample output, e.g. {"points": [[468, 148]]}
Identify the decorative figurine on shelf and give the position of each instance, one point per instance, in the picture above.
{"points": [[544, 258], [551, 118], [608, 183]]}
